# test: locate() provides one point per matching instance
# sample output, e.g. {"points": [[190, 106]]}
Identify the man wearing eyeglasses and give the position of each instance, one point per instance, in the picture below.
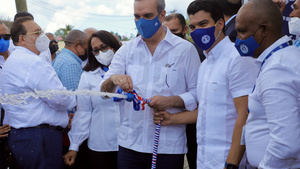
{"points": [[35, 139]]}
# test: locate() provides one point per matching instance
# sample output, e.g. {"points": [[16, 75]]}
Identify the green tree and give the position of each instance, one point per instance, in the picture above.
{"points": [[63, 32], [188, 34]]}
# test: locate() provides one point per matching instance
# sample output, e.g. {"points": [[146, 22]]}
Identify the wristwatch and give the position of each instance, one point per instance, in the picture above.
{"points": [[231, 166]]}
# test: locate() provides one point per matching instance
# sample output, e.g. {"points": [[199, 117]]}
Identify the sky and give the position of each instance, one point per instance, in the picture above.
{"points": [[110, 15]]}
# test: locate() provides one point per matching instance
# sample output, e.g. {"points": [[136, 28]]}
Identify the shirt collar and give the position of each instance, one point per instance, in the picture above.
{"points": [[65, 50], [170, 38], [217, 51], [25, 50], [230, 19], [265, 53]]}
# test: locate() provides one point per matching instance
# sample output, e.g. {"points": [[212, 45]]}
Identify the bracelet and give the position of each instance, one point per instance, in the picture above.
{"points": [[231, 166]]}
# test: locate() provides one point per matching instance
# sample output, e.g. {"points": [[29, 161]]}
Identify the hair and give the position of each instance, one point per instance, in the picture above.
{"points": [[108, 39], [230, 8], [23, 14], [161, 5], [18, 28], [75, 36], [179, 16], [209, 6]]}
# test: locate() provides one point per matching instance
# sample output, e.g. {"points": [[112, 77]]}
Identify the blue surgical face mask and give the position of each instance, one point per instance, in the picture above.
{"points": [[147, 28], [246, 47], [4, 45], [204, 37]]}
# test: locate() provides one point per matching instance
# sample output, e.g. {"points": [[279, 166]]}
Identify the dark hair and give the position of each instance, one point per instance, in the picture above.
{"points": [[108, 39], [179, 16], [210, 6], [23, 14], [18, 28], [229, 8]]}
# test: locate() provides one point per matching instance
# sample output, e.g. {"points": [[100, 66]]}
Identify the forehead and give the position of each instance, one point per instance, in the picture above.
{"points": [[51, 36], [96, 42], [245, 17], [31, 26], [173, 23], [145, 6], [200, 16], [3, 29]]}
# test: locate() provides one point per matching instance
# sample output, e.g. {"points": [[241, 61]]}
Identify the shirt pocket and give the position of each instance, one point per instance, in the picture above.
{"points": [[136, 72], [175, 78], [217, 92]]}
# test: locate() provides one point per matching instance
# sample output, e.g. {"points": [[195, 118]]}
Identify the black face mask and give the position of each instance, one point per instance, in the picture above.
{"points": [[182, 35], [53, 46], [84, 56]]}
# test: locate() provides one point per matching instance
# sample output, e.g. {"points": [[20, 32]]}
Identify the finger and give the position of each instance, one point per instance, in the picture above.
{"points": [[152, 102], [3, 135], [130, 83], [124, 87]]}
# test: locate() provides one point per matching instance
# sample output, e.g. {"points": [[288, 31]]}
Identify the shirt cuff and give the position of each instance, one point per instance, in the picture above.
{"points": [[190, 102], [239, 93], [74, 147]]}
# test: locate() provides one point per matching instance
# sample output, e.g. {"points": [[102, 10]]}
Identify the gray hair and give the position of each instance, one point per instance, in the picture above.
{"points": [[75, 36], [161, 5]]}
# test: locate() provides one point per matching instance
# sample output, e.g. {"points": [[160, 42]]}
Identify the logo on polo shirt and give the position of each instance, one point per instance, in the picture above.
{"points": [[244, 49], [205, 39]]}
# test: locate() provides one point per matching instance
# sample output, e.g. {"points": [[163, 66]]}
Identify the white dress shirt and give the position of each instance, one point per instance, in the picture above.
{"points": [[272, 131], [97, 118], [171, 71], [223, 76], [24, 71]]}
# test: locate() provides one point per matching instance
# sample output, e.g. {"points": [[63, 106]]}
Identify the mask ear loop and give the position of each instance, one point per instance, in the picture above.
{"points": [[217, 37]]}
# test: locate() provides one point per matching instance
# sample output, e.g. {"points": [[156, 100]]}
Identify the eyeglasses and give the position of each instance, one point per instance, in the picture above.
{"points": [[5, 36], [38, 32], [102, 48]]}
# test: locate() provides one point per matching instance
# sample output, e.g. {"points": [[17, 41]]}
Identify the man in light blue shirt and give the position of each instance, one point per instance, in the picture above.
{"points": [[68, 63]]}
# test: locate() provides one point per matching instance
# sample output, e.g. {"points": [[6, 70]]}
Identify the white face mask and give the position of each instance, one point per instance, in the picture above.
{"points": [[42, 43], [105, 57], [294, 26], [11, 47]]}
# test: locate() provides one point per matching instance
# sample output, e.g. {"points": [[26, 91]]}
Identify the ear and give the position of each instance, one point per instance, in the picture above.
{"points": [[185, 30], [221, 24], [162, 16], [21, 38]]}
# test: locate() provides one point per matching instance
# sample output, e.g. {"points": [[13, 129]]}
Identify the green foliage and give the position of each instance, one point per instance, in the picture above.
{"points": [[188, 34], [63, 32]]}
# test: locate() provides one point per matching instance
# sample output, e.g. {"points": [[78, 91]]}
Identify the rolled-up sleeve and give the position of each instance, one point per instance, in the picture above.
{"points": [[191, 73], [280, 94], [241, 76]]}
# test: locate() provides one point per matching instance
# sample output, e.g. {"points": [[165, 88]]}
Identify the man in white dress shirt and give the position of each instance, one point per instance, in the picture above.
{"points": [[272, 131], [35, 139], [224, 81], [160, 66]]}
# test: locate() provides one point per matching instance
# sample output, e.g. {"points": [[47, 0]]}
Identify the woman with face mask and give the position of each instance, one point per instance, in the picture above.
{"points": [[96, 118]]}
